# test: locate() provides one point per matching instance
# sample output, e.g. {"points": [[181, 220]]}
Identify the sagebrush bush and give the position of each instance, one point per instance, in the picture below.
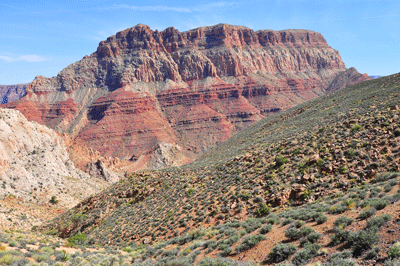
{"points": [[378, 221], [281, 252], [394, 251], [249, 242], [345, 221], [372, 253], [292, 233], [78, 239], [362, 240], [341, 259], [265, 229], [366, 213], [321, 219]]}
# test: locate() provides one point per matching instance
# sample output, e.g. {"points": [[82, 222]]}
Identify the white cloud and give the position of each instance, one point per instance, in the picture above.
{"points": [[6, 58], [28, 58], [31, 58]]}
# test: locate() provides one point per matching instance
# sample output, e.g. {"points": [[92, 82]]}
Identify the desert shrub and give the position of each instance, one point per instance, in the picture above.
{"points": [[385, 176], [313, 237], [292, 233], [207, 261], [338, 208], [41, 257], [263, 209], [340, 235], [298, 224], [378, 221], [78, 239], [210, 244], [62, 255], [287, 221], [301, 257], [381, 204], [265, 229], [372, 253], [392, 262], [9, 258], [306, 230], [225, 252], [251, 225], [321, 219], [345, 221], [367, 212], [304, 255], [378, 204], [387, 188], [272, 219], [281, 252], [280, 160], [13, 243], [363, 240], [249, 242], [394, 251], [341, 259]]}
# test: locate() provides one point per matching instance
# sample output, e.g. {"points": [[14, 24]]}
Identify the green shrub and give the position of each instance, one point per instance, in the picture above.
{"points": [[340, 235], [394, 251], [265, 229], [392, 262], [78, 239], [280, 160], [345, 221], [372, 253], [249, 242], [13, 243], [363, 240], [385, 176], [225, 252], [321, 219], [292, 233], [298, 224], [263, 209], [341, 259], [304, 255], [387, 187], [207, 261], [378, 221], [62, 255], [281, 252], [314, 237], [287, 221], [301, 257], [54, 200], [306, 230], [366, 213]]}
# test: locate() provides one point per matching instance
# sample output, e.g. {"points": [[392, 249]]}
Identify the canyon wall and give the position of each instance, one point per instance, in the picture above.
{"points": [[162, 98]]}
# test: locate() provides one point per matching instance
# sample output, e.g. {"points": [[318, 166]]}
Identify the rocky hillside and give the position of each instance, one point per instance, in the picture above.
{"points": [[164, 98], [335, 155], [10, 93], [35, 166]]}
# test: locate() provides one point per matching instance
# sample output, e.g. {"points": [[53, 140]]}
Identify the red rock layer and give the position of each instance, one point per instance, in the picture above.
{"points": [[193, 89]]}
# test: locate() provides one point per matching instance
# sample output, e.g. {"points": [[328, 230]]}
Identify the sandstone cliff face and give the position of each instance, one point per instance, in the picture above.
{"points": [[145, 89], [34, 164]]}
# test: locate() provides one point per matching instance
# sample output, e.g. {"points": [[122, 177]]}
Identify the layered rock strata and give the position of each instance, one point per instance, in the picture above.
{"points": [[145, 91]]}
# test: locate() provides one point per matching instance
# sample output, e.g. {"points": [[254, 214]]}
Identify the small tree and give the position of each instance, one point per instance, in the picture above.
{"points": [[54, 200]]}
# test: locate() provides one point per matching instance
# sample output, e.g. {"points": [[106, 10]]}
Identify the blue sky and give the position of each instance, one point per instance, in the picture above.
{"points": [[43, 37]]}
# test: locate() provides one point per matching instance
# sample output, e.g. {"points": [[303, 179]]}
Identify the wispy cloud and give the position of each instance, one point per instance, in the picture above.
{"points": [[27, 58], [159, 8]]}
